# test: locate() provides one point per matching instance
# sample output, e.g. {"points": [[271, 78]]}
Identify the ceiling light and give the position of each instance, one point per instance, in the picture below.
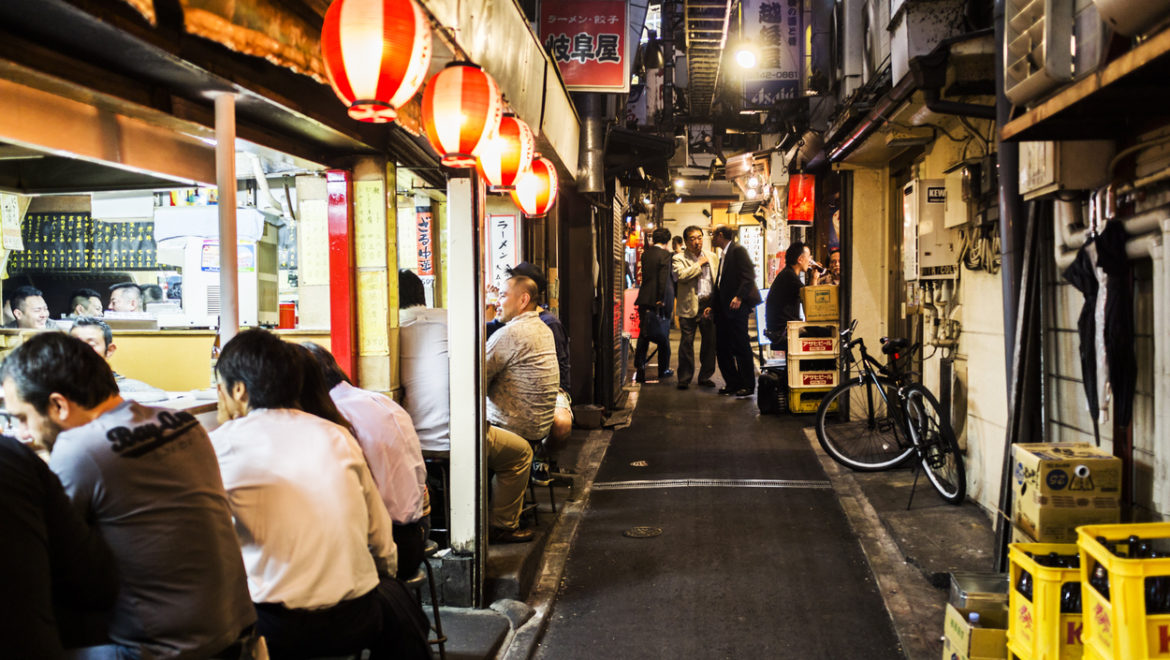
{"points": [[679, 183], [649, 225], [678, 200], [754, 182], [646, 199], [750, 193]]}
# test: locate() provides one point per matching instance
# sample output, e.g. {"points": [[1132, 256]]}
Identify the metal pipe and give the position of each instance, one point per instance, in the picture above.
{"points": [[591, 172], [225, 180], [937, 105]]}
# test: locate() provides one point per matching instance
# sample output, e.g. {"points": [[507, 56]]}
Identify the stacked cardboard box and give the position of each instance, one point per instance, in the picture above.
{"points": [[1056, 487]]}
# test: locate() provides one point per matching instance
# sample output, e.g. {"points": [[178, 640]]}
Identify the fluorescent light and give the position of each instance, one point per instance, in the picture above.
{"points": [[746, 57]]}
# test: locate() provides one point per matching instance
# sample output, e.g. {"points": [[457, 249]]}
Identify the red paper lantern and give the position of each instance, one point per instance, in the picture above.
{"points": [[536, 189], [508, 155], [801, 199], [376, 54], [461, 110]]}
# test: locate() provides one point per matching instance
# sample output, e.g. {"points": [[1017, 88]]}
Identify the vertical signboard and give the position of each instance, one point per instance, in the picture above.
{"points": [[588, 41], [426, 249], [505, 239], [774, 27], [752, 238]]}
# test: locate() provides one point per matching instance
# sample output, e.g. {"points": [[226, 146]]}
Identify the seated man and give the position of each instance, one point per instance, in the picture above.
{"points": [[521, 374], [147, 478], [390, 445], [49, 558], [98, 335], [126, 297], [312, 526], [563, 415], [85, 302], [425, 377], [29, 310]]}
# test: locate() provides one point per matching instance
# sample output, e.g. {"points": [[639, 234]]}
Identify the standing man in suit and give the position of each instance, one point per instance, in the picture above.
{"points": [[655, 304], [694, 269], [736, 295]]}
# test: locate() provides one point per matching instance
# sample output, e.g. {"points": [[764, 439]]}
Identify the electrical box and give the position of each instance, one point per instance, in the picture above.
{"points": [[956, 204], [1048, 167], [924, 205]]}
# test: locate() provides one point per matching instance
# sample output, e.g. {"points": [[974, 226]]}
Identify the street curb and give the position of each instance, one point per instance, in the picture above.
{"points": [[523, 640], [918, 631]]}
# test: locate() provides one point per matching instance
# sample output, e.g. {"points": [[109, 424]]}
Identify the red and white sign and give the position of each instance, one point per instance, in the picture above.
{"points": [[588, 41], [426, 247]]}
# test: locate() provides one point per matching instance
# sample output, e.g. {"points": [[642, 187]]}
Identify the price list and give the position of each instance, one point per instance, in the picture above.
{"points": [[74, 241]]}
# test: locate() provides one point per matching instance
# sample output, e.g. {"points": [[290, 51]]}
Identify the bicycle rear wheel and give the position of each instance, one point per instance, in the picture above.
{"points": [[856, 426], [942, 460]]}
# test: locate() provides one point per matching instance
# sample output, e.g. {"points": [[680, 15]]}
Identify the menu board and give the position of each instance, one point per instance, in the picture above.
{"points": [[74, 241]]}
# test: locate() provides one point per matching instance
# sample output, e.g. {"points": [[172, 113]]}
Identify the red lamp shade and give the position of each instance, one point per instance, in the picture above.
{"points": [[505, 157], [536, 189], [801, 199], [376, 54], [461, 110]]}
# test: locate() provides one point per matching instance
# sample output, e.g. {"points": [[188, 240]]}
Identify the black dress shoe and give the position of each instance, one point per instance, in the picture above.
{"points": [[639, 377], [726, 391], [502, 535], [666, 373], [706, 383], [744, 392]]}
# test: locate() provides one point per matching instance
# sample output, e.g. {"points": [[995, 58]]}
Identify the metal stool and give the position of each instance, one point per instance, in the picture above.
{"points": [[440, 460], [424, 573]]}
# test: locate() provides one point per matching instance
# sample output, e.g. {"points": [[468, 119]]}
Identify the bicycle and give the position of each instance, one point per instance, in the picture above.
{"points": [[882, 418]]}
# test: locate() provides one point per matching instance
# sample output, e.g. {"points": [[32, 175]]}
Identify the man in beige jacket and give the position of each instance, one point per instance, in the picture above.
{"points": [[694, 270]]}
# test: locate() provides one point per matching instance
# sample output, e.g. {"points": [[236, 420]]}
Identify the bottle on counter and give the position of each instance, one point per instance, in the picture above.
{"points": [[214, 359]]}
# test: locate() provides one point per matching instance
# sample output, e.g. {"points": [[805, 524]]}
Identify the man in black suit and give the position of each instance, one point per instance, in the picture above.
{"points": [[736, 295], [655, 305]]}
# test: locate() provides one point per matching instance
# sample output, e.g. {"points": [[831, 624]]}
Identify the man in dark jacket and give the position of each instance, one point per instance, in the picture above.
{"points": [[736, 296], [655, 305]]}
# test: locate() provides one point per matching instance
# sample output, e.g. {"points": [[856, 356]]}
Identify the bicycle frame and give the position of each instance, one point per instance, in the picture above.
{"points": [[868, 370]]}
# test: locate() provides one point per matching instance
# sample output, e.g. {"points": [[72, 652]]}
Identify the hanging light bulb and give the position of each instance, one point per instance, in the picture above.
{"points": [[376, 54], [461, 110], [508, 155]]}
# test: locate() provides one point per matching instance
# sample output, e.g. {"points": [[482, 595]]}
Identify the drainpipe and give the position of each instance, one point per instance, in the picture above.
{"points": [[1159, 248], [591, 171], [1011, 235], [939, 106]]}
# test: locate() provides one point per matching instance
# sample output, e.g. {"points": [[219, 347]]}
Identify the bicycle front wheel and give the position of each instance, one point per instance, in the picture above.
{"points": [[856, 426], [942, 460]]}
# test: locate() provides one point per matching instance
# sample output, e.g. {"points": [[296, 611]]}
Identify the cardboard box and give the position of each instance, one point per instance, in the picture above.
{"points": [[820, 302], [962, 641], [1057, 487]]}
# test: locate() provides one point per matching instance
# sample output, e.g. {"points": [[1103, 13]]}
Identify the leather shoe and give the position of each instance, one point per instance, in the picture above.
{"points": [[502, 535], [726, 391], [744, 392], [683, 386], [666, 373], [639, 377], [706, 383]]}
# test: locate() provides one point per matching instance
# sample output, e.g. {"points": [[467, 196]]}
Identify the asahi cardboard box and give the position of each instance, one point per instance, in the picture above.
{"points": [[1058, 487]]}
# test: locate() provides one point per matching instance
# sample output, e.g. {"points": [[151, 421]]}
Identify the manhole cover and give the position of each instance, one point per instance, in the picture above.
{"points": [[639, 464], [642, 532]]}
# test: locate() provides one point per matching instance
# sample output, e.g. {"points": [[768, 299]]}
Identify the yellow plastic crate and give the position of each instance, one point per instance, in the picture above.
{"points": [[807, 399], [1118, 627], [1037, 630]]}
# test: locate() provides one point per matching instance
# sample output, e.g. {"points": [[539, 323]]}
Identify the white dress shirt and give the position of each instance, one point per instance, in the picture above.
{"points": [[307, 511], [388, 440], [422, 352]]}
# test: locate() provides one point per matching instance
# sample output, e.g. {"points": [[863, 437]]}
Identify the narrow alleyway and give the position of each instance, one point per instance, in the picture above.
{"points": [[755, 558]]}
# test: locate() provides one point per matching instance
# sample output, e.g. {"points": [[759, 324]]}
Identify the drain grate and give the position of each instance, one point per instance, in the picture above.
{"points": [[712, 483], [642, 532]]}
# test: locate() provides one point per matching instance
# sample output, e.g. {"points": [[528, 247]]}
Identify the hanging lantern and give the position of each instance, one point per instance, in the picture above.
{"points": [[461, 110], [801, 198], [536, 190], [376, 54], [507, 156]]}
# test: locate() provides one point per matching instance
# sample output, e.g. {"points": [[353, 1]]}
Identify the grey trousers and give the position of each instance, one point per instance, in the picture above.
{"points": [[686, 349]]}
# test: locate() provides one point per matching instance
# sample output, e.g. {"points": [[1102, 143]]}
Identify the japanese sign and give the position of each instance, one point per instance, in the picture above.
{"points": [[75, 241], [505, 240], [209, 256], [587, 40], [752, 238], [10, 223], [426, 241], [776, 27]]}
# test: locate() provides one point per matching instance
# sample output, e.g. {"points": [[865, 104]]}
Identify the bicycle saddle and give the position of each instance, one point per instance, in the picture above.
{"points": [[890, 346]]}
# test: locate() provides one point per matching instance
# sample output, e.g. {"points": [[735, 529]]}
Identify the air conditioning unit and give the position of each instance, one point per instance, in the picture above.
{"points": [[1038, 53], [1130, 18]]}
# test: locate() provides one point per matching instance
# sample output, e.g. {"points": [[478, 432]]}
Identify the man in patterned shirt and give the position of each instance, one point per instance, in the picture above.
{"points": [[522, 377]]}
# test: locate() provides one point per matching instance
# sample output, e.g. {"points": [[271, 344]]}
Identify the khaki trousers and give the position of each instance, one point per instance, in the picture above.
{"points": [[510, 457]]}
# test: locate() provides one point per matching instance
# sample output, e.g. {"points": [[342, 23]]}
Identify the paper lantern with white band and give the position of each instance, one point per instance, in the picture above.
{"points": [[461, 110], [376, 53], [536, 189], [504, 158]]}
